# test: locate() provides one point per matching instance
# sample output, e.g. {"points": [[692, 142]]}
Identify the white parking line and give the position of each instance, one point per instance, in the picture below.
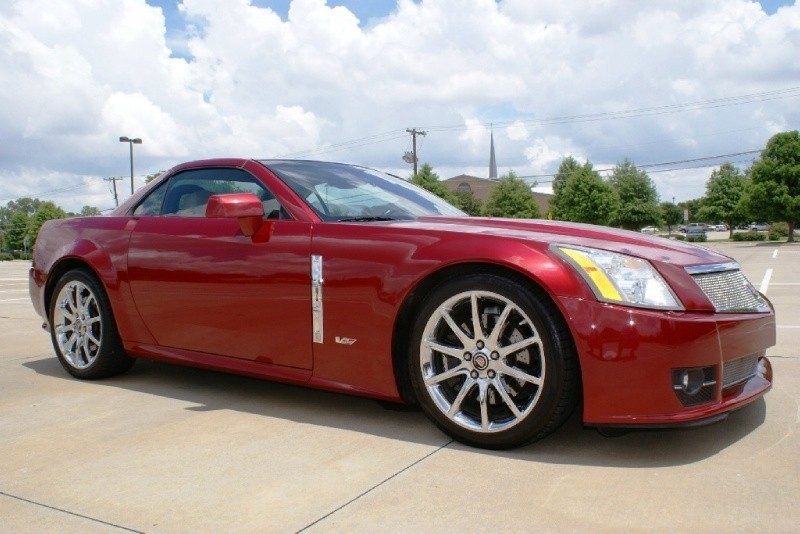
{"points": [[765, 281], [774, 253]]}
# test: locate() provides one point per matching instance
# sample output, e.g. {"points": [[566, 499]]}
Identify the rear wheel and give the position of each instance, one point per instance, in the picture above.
{"points": [[493, 365], [83, 330]]}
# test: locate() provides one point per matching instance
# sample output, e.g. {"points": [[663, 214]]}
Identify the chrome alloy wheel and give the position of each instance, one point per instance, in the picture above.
{"points": [[482, 361], [78, 325]]}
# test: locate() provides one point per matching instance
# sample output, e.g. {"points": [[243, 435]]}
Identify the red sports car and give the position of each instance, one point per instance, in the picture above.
{"points": [[346, 279]]}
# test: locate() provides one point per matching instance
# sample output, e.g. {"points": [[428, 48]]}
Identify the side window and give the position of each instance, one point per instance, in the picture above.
{"points": [[152, 204], [186, 194]]}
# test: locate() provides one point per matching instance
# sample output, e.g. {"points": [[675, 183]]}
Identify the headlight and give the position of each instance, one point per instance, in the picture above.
{"points": [[620, 279]]}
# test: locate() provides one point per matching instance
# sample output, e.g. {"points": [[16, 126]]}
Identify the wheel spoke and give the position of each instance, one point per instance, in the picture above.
{"points": [[477, 329], [71, 341], [87, 349], [462, 336], [64, 328], [447, 375], [75, 303], [455, 407], [518, 374], [93, 339], [455, 352], [498, 386], [483, 400], [518, 346], [498, 327]]}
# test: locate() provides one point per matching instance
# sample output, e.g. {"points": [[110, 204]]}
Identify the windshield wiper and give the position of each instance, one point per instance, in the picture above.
{"points": [[366, 219]]}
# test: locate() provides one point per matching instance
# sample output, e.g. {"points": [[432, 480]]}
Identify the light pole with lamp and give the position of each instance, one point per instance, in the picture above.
{"points": [[131, 142]]}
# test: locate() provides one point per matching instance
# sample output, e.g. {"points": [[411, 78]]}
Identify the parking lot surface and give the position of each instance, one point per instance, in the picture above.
{"points": [[173, 449]]}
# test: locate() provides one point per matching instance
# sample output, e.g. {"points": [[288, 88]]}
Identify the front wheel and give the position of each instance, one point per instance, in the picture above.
{"points": [[493, 364], [83, 330]]}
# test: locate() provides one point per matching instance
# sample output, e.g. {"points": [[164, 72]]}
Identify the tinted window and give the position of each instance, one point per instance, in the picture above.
{"points": [[151, 205], [338, 192], [186, 194]]}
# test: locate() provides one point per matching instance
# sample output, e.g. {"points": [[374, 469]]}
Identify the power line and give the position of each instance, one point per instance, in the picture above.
{"points": [[791, 92], [662, 164], [391, 135]]}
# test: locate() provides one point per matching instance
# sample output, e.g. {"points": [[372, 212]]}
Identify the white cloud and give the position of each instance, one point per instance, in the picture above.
{"points": [[77, 75]]}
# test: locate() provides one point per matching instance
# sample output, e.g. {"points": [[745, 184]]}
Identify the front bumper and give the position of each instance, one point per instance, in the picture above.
{"points": [[645, 368]]}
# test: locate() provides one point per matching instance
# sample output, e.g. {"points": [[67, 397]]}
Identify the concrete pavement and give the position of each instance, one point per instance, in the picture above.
{"points": [[171, 449]]}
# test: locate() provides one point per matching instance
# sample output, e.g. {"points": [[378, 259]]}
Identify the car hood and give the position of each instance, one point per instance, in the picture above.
{"points": [[653, 248]]}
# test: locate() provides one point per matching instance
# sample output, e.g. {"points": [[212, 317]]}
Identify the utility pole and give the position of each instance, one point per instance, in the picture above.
{"points": [[114, 183], [414, 133]]}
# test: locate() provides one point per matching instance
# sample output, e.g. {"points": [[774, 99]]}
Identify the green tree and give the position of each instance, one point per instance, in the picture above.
{"points": [[775, 188], [512, 197], [638, 199], [429, 180], [723, 201], [89, 210], [45, 212], [671, 214], [567, 168], [26, 205], [587, 198], [16, 231], [466, 202]]}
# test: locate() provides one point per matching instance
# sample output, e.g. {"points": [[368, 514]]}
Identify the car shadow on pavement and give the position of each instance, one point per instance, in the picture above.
{"points": [[571, 444]]}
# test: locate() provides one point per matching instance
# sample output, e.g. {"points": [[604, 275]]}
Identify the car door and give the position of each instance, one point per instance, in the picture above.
{"points": [[201, 285]]}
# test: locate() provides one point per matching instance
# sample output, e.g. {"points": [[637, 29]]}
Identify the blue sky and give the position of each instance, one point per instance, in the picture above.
{"points": [[365, 10]]}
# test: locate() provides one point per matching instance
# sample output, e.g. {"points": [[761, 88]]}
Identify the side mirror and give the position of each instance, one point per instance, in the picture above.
{"points": [[246, 207]]}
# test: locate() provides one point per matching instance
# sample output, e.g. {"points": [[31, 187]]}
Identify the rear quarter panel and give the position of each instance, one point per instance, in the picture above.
{"points": [[99, 244]]}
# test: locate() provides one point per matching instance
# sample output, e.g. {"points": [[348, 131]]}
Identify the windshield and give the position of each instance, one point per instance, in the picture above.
{"points": [[339, 192]]}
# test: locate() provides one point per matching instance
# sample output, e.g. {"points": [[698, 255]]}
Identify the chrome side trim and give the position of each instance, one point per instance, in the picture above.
{"points": [[713, 268], [316, 299]]}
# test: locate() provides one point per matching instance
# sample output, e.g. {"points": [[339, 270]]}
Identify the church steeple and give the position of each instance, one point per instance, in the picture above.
{"points": [[492, 160]]}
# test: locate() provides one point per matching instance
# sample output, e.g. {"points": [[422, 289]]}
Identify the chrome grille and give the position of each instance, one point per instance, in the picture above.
{"points": [[728, 289], [736, 371]]}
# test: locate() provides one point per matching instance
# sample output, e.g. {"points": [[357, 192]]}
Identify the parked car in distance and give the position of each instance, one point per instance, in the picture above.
{"points": [[759, 227], [649, 230], [347, 279]]}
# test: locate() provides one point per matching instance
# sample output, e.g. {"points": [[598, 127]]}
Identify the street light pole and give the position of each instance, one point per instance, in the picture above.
{"points": [[131, 142]]}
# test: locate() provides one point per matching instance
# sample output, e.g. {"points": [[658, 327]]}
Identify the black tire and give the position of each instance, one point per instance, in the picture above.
{"points": [[522, 363], [83, 330]]}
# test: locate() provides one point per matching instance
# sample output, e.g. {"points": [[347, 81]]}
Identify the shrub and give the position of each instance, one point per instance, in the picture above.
{"points": [[680, 237], [696, 238], [775, 236], [750, 235], [6, 256], [780, 228]]}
